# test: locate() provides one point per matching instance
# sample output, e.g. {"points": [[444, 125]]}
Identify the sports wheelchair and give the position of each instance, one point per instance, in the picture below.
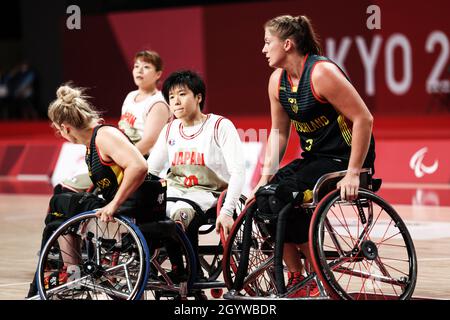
{"points": [[359, 249], [88, 259]]}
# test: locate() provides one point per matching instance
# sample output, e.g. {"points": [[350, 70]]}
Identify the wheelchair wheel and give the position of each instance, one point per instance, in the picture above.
{"points": [[87, 259], [237, 212], [210, 255], [173, 268], [362, 249], [210, 259], [259, 280]]}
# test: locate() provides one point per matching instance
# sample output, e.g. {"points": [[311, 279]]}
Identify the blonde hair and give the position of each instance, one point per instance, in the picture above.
{"points": [[71, 106], [299, 29]]}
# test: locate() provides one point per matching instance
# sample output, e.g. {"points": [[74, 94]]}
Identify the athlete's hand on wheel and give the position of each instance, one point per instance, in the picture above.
{"points": [[107, 212], [225, 222], [349, 186]]}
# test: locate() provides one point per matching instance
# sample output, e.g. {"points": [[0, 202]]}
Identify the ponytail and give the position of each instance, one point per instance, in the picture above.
{"points": [[299, 29]]}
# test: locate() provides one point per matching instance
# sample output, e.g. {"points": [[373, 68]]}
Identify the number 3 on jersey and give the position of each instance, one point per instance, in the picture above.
{"points": [[308, 145]]}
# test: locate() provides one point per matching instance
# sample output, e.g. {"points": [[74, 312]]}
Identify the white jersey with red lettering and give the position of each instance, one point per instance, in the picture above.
{"points": [[205, 157], [134, 113]]}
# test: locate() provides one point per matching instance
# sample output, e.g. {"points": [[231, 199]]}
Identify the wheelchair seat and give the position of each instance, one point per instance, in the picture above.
{"points": [[209, 254]]}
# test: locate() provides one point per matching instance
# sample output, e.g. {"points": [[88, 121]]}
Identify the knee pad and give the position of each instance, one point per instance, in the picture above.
{"points": [[271, 198], [183, 215], [267, 203]]}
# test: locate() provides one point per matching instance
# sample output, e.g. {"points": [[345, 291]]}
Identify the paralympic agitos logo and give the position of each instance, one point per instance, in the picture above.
{"points": [[420, 169]]}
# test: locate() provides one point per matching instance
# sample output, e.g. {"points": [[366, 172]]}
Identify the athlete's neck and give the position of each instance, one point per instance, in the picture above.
{"points": [[145, 92], [294, 67], [84, 136], [196, 119]]}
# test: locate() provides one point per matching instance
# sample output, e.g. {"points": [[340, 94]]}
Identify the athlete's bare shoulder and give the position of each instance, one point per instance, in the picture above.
{"points": [[275, 76], [274, 82]]}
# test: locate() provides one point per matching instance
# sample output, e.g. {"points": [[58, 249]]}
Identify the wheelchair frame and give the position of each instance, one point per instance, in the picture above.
{"points": [[253, 267], [243, 280], [151, 261]]}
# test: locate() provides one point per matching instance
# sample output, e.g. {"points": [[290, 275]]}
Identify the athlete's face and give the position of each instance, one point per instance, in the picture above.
{"points": [[145, 74], [274, 49], [183, 103]]}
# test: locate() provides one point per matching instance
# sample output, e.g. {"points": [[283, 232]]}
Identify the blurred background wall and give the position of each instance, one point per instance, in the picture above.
{"points": [[402, 69]]}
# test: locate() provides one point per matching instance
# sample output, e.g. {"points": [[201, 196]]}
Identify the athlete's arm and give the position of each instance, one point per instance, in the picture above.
{"points": [[154, 121], [233, 153], [331, 85], [159, 155], [114, 146], [279, 133]]}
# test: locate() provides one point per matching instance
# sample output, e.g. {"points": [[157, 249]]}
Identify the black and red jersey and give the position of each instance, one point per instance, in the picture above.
{"points": [[106, 176], [322, 129]]}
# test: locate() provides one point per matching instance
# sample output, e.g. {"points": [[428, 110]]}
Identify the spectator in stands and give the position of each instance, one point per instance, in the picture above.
{"points": [[22, 89], [4, 94]]}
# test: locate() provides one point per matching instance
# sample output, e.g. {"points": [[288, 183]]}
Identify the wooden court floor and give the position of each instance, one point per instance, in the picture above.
{"points": [[21, 223]]}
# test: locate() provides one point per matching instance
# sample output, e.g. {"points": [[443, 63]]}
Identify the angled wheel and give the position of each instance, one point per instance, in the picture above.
{"points": [[237, 212], [210, 258], [259, 280], [173, 267], [210, 255], [87, 259], [362, 249]]}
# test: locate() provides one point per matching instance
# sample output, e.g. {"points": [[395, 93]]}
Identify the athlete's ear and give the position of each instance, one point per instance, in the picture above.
{"points": [[64, 128], [199, 97], [288, 44]]}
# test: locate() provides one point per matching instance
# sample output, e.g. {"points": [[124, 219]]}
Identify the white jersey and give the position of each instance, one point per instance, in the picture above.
{"points": [[208, 156], [134, 113]]}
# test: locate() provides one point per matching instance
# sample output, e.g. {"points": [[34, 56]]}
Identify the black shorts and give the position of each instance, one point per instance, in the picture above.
{"points": [[303, 173], [65, 205]]}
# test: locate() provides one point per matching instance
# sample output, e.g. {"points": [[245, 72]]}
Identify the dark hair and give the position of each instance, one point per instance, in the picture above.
{"points": [[299, 29], [186, 78], [150, 57]]}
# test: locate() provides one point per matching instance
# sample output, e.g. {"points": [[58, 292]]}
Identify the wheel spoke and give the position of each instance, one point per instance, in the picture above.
{"points": [[105, 273], [375, 260]]}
